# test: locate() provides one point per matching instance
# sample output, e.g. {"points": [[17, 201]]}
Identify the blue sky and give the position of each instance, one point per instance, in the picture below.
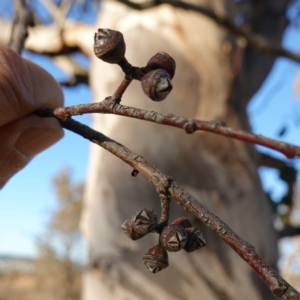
{"points": [[275, 106], [27, 200]]}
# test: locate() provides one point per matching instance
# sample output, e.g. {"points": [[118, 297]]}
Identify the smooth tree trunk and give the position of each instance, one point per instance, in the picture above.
{"points": [[215, 78]]}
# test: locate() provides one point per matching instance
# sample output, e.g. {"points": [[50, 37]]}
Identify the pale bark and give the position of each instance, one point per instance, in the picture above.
{"points": [[221, 173], [49, 39]]}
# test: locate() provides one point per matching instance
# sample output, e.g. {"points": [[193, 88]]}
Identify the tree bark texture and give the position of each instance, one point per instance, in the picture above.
{"points": [[215, 78]]}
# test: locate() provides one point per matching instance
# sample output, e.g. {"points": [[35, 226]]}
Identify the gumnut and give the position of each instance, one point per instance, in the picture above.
{"points": [[144, 221], [195, 240], [184, 222], [129, 231], [157, 84], [140, 224], [109, 45], [162, 60], [173, 237], [156, 259]]}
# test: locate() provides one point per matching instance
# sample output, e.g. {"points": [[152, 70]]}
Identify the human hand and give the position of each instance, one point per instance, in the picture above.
{"points": [[24, 88]]}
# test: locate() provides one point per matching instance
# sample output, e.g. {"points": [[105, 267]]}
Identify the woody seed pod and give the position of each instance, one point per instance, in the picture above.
{"points": [[184, 222], [109, 45], [129, 231], [162, 60], [195, 240], [156, 259], [173, 238], [140, 224], [144, 221], [157, 84]]}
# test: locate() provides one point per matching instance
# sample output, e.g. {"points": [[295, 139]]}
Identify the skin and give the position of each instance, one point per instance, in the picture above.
{"points": [[24, 87]]}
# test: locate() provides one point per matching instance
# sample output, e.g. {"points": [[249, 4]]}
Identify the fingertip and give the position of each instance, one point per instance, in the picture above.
{"points": [[47, 92], [38, 137], [22, 140], [25, 87]]}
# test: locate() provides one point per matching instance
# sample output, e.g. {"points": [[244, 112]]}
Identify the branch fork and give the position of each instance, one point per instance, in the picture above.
{"points": [[179, 235]]}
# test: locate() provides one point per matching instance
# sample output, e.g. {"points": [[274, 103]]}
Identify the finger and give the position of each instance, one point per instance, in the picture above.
{"points": [[24, 87], [23, 139]]}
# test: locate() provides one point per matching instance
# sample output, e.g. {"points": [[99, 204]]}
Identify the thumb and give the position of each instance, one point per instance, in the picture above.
{"points": [[24, 139], [24, 87]]}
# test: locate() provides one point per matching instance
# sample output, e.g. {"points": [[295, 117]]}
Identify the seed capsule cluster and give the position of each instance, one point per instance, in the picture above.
{"points": [[175, 237], [156, 77]]}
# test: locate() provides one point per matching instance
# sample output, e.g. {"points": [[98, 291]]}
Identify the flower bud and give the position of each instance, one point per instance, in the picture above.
{"points": [[184, 222], [109, 45], [173, 238], [157, 84], [162, 60], [156, 259], [144, 221], [195, 240]]}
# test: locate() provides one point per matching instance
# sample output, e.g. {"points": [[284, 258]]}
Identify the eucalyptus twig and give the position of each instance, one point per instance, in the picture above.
{"points": [[165, 208], [116, 97], [165, 185], [254, 40], [108, 106], [23, 19]]}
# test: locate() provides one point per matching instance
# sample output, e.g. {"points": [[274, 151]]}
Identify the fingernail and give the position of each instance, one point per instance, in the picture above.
{"points": [[39, 137]]}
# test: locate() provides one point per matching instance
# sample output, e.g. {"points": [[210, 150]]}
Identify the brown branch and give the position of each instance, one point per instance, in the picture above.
{"points": [[165, 185], [288, 174], [269, 161], [23, 19], [254, 40], [59, 14], [189, 125], [165, 208], [289, 231], [116, 97]]}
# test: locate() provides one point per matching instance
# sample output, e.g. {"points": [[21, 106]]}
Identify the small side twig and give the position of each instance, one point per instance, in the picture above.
{"points": [[165, 209], [289, 231], [58, 13], [189, 125], [166, 185], [23, 19], [116, 97]]}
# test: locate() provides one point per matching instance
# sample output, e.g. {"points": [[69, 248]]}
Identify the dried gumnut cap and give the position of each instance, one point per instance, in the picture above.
{"points": [[156, 259], [157, 84], [129, 231], [109, 45], [184, 222], [195, 240], [144, 221], [162, 60], [173, 238]]}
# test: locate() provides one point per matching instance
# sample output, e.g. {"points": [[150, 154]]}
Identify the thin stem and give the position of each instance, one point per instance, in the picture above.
{"points": [[117, 96], [23, 18], [132, 72], [125, 66], [189, 125], [165, 209]]}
